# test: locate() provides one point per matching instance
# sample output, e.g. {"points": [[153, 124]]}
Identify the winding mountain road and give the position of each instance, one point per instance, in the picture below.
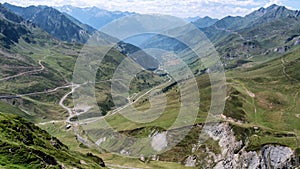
{"points": [[61, 102], [137, 99], [23, 73]]}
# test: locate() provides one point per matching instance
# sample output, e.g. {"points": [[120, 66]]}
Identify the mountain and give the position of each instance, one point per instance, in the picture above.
{"points": [[204, 22], [138, 55], [24, 145], [13, 27], [259, 127], [264, 31], [92, 15], [260, 16], [54, 22], [261, 32], [15, 34], [66, 28], [32, 57], [193, 19]]}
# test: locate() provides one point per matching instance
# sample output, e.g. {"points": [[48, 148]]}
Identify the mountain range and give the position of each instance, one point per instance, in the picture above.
{"points": [[66, 28], [93, 16], [204, 22], [41, 127], [261, 32]]}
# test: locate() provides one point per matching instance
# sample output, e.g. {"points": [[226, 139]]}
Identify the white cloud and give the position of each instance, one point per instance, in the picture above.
{"points": [[235, 2], [180, 8], [271, 2]]}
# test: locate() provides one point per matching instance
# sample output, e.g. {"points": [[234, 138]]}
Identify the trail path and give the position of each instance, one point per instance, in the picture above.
{"points": [[141, 96], [231, 31], [49, 122], [284, 70], [23, 73], [61, 102]]}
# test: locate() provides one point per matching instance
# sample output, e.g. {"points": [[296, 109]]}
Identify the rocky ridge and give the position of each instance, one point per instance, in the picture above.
{"points": [[233, 153]]}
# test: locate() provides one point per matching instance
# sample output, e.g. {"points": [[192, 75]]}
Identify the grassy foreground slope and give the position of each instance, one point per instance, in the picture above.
{"points": [[111, 160], [24, 145]]}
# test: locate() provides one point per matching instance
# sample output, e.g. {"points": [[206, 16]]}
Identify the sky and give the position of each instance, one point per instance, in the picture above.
{"points": [[179, 8]]}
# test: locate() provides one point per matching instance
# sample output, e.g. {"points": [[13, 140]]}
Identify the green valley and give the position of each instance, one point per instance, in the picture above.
{"points": [[51, 118]]}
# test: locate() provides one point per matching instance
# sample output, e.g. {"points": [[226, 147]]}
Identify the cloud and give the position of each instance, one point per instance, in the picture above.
{"points": [[271, 2], [180, 8], [184, 8], [235, 2]]}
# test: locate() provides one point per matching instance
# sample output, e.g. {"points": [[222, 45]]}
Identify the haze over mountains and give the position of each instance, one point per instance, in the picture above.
{"points": [[66, 28], [97, 18], [261, 32], [93, 16], [39, 46]]}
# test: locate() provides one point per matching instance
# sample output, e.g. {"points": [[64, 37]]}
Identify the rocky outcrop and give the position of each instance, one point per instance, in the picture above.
{"points": [[191, 161], [272, 156], [159, 141], [234, 155], [281, 49], [223, 133], [297, 42]]}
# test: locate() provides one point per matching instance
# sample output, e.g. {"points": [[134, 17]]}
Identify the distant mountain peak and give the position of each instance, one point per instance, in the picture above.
{"points": [[52, 21], [205, 22], [94, 8], [257, 17], [273, 6], [5, 13], [207, 17], [270, 8]]}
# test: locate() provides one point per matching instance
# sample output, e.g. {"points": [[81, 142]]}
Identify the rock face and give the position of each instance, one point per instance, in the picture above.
{"points": [[190, 161], [159, 141], [223, 133], [297, 42], [276, 157], [234, 155], [281, 49]]}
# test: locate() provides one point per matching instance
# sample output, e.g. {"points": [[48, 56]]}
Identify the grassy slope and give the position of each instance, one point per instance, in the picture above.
{"points": [[25, 145], [275, 100], [59, 60], [67, 137], [264, 96], [275, 86], [274, 109]]}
